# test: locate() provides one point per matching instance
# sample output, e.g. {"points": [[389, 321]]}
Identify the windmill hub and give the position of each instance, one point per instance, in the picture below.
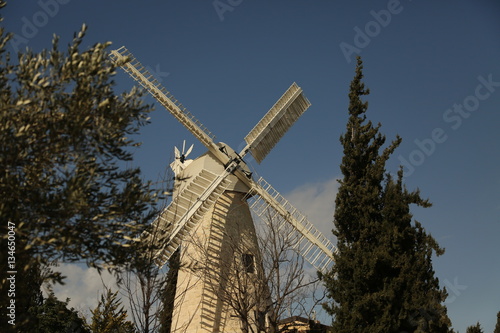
{"points": [[230, 155]]}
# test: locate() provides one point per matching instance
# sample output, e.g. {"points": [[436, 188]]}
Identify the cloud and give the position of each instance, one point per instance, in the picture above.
{"points": [[317, 202], [83, 286]]}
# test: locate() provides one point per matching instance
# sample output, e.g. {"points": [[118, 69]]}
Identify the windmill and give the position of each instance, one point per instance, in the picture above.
{"points": [[213, 204]]}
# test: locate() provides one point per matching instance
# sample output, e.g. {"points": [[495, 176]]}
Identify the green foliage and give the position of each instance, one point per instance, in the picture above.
{"points": [[382, 280], [474, 329], [497, 326], [28, 295], [54, 316], [36, 314], [109, 316], [65, 140]]}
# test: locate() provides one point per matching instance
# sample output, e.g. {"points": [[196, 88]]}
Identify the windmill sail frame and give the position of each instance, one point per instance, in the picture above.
{"points": [[139, 73], [276, 122], [314, 247]]}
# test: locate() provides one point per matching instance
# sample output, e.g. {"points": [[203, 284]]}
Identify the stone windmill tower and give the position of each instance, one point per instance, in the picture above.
{"points": [[209, 217]]}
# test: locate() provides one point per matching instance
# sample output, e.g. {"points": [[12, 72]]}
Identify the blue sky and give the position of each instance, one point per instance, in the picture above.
{"points": [[432, 67]]}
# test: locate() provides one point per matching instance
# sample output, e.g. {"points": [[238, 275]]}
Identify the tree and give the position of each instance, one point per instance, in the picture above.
{"points": [[150, 289], [142, 284], [497, 326], [28, 297], [28, 294], [54, 316], [406, 259], [65, 140], [382, 280], [474, 329], [291, 290], [109, 316]]}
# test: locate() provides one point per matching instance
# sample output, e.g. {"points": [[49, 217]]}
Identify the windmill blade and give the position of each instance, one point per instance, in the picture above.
{"points": [[271, 128], [123, 58], [314, 247], [177, 153], [189, 150], [184, 213]]}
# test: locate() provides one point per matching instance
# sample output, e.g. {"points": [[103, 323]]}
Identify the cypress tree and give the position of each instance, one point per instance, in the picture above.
{"points": [[474, 329], [382, 280], [497, 326], [412, 293]]}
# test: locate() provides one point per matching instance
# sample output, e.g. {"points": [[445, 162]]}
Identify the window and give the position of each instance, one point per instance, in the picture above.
{"points": [[248, 263], [260, 319]]}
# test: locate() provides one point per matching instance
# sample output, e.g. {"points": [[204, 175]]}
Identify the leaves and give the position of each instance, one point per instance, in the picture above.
{"points": [[110, 316], [54, 316], [65, 139]]}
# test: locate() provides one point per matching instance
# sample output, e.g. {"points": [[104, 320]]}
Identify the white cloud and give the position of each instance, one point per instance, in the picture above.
{"points": [[83, 286], [317, 202]]}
